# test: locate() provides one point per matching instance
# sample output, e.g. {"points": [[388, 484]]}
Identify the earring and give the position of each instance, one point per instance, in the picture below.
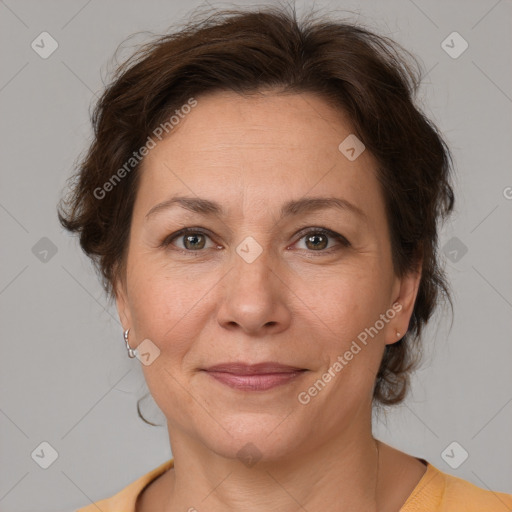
{"points": [[131, 353], [398, 334]]}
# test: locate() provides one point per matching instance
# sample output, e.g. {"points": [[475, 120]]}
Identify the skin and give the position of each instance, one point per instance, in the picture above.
{"points": [[297, 303]]}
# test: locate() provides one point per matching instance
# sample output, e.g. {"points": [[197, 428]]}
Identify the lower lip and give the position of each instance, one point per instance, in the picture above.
{"points": [[259, 382]]}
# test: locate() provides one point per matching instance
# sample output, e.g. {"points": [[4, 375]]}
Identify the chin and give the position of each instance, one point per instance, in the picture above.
{"points": [[255, 438]]}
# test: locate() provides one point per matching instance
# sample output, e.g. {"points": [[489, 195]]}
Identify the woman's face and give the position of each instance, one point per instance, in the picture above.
{"points": [[256, 280]]}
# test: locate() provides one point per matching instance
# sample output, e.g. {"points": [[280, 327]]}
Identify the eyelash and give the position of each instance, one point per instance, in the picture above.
{"points": [[322, 231]]}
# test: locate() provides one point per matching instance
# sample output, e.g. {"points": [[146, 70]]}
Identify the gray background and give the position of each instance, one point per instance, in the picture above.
{"points": [[65, 376]]}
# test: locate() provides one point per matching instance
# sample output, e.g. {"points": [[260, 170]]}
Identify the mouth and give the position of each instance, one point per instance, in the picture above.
{"points": [[255, 377]]}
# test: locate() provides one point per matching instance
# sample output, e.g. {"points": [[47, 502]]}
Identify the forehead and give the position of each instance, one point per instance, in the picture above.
{"points": [[266, 149]]}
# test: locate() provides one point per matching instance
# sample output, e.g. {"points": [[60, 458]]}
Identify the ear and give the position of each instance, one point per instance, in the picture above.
{"points": [[405, 292], [123, 308]]}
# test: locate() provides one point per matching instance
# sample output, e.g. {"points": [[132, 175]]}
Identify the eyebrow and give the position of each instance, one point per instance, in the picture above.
{"points": [[291, 208]]}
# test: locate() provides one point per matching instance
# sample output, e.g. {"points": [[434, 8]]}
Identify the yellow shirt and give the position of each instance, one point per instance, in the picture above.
{"points": [[435, 492]]}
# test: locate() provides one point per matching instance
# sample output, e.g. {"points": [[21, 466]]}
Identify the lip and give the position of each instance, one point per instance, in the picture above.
{"points": [[255, 377], [253, 369]]}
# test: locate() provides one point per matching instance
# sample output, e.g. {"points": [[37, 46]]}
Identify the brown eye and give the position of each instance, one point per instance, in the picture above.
{"points": [[316, 241], [187, 240], [194, 242]]}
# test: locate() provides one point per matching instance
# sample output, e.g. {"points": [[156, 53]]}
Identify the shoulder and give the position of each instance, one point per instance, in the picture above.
{"points": [[126, 499], [473, 498], [438, 491]]}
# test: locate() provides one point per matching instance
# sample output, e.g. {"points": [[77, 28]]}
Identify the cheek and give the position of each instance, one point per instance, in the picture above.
{"points": [[349, 305], [346, 300], [172, 309], [169, 312], [162, 295]]}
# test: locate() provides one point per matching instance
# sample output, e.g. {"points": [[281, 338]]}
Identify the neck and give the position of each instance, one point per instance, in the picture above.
{"points": [[341, 474]]}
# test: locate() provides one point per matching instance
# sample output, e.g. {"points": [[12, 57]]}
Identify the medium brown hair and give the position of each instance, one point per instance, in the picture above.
{"points": [[365, 75]]}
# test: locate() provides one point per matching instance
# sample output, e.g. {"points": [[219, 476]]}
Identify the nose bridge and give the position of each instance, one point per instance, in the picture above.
{"points": [[251, 297], [252, 262]]}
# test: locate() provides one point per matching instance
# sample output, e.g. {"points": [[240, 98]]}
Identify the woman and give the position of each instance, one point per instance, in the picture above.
{"points": [[262, 198]]}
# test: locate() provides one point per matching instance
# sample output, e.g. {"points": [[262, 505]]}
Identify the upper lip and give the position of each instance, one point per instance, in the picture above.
{"points": [[252, 369]]}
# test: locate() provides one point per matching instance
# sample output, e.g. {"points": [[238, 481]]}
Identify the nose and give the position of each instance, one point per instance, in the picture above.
{"points": [[254, 298]]}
